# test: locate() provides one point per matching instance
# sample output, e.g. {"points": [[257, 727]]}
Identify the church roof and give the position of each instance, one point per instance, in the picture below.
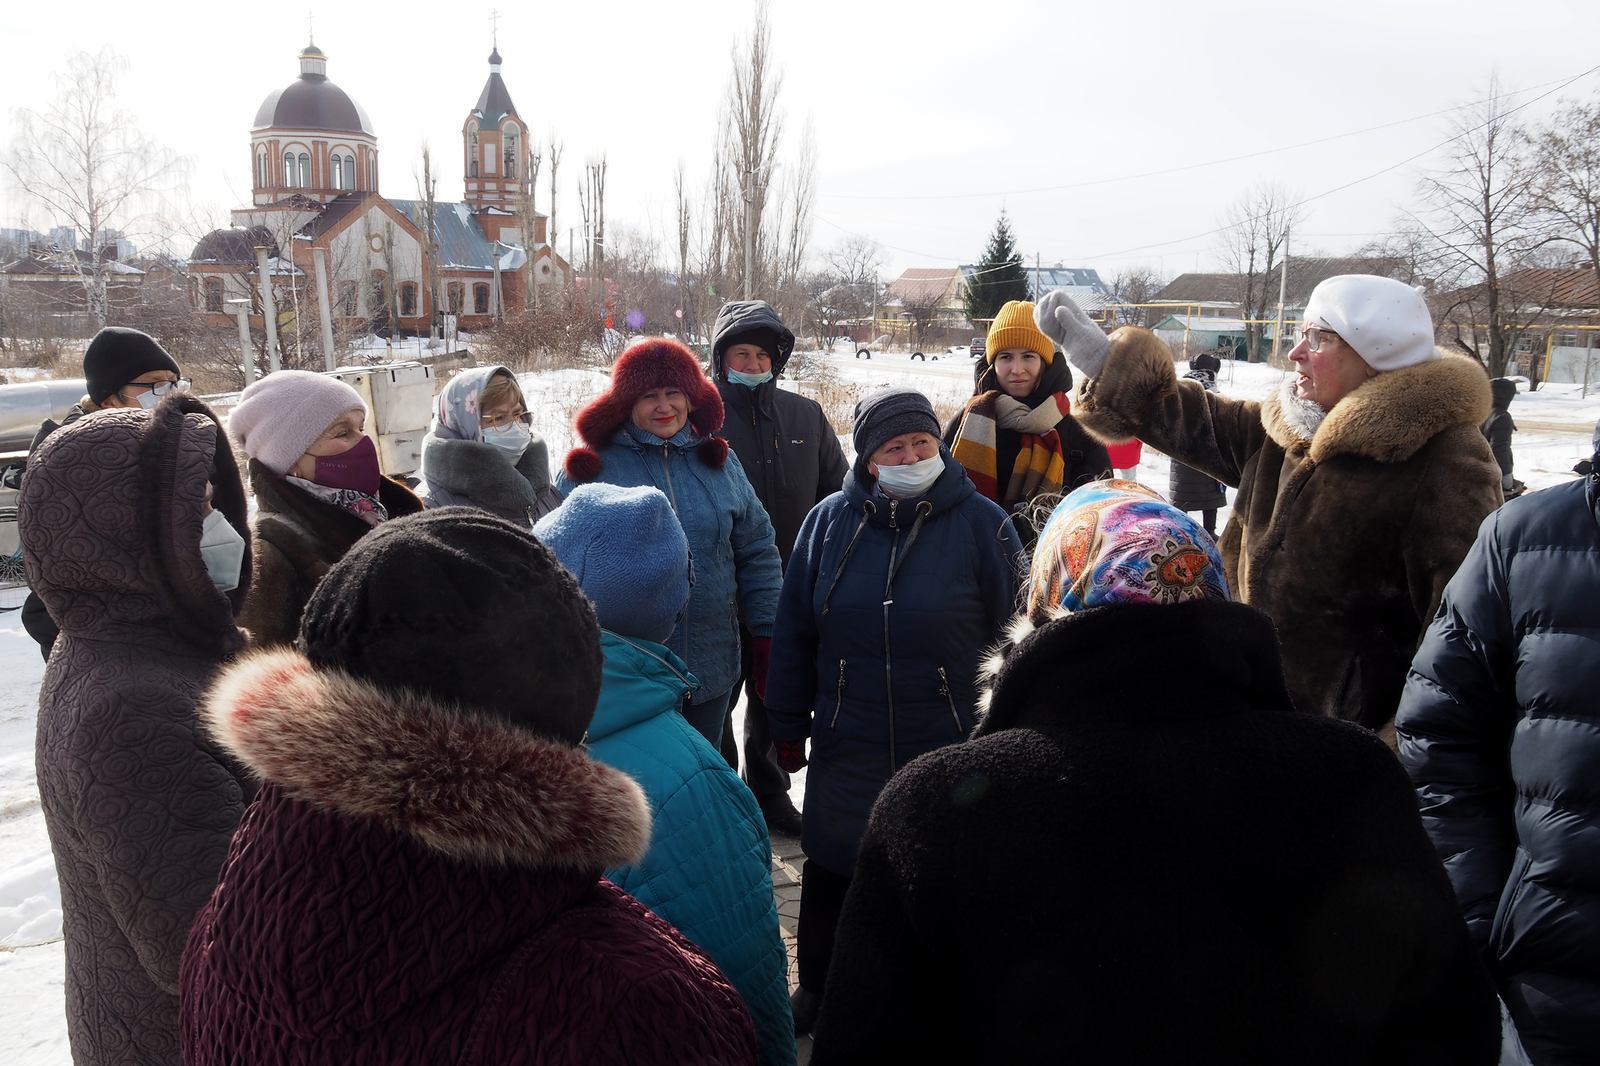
{"points": [[233, 245], [494, 103], [312, 102], [462, 243]]}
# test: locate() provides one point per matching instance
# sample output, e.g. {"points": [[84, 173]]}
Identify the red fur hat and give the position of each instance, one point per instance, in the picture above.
{"points": [[649, 363]]}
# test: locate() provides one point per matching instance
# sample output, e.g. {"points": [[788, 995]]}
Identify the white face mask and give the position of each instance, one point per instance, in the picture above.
{"points": [[913, 479], [222, 551], [512, 438]]}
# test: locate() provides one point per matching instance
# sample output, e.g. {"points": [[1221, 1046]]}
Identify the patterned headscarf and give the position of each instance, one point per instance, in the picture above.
{"points": [[1112, 542]]}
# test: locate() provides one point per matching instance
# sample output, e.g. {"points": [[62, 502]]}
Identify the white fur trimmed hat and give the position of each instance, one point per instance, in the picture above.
{"points": [[284, 413], [1384, 320]]}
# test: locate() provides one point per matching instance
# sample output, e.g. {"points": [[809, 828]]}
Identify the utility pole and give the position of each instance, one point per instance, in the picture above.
{"points": [[269, 311], [1283, 285]]}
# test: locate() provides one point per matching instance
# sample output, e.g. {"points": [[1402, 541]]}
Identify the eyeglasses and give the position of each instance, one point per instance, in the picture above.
{"points": [[498, 421], [1316, 339], [159, 388]]}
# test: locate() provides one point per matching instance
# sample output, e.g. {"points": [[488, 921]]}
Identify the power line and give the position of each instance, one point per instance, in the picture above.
{"points": [[1559, 83]]}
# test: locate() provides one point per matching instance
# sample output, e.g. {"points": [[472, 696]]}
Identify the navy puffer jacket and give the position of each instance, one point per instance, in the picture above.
{"points": [[887, 608], [1499, 726]]}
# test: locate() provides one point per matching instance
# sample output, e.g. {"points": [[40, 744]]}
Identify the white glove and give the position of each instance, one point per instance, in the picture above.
{"points": [[1064, 322]]}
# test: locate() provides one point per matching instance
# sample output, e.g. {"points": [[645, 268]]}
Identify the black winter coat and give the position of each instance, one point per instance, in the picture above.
{"points": [[1135, 865], [874, 684], [788, 449], [1499, 726], [298, 537], [1499, 426]]}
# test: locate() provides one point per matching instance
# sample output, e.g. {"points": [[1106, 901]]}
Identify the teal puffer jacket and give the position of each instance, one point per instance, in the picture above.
{"points": [[708, 871], [737, 573]]}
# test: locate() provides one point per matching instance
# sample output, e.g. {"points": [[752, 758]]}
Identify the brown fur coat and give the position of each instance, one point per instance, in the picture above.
{"points": [[1344, 534]]}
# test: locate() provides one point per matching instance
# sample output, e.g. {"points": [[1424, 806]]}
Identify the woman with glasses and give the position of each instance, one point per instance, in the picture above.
{"points": [[481, 450], [122, 368], [318, 490], [1362, 479]]}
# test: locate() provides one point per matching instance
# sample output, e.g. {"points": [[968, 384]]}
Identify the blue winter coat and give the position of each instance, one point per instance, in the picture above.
{"points": [[733, 558], [878, 668], [708, 871], [1499, 727]]}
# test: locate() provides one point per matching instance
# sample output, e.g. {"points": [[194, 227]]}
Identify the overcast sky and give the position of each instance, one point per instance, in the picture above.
{"points": [[929, 117]]}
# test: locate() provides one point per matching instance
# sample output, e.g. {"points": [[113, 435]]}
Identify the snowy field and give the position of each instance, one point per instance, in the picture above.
{"points": [[1555, 432]]}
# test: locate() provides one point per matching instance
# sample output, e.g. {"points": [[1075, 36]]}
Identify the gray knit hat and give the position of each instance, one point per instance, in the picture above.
{"points": [[885, 415]]}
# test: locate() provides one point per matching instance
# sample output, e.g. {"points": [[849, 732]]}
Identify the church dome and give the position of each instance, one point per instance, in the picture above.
{"points": [[312, 102], [233, 245]]}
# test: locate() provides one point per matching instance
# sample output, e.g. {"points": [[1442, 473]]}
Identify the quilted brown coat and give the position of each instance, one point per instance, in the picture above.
{"points": [[1344, 533], [139, 805]]}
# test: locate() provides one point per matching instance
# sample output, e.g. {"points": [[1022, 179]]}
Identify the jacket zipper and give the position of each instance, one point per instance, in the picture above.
{"points": [[888, 658], [839, 699], [944, 690]]}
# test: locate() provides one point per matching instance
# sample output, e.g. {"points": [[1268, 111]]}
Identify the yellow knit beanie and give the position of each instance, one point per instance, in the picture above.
{"points": [[1013, 328]]}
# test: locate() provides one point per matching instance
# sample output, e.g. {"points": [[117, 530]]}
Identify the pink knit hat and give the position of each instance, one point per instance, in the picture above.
{"points": [[283, 414]]}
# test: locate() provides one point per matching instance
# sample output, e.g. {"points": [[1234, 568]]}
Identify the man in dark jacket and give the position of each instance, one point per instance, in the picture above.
{"points": [[1500, 730], [1497, 430], [794, 461]]}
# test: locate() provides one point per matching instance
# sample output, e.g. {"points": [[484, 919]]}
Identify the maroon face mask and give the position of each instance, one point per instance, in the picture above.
{"points": [[355, 469]]}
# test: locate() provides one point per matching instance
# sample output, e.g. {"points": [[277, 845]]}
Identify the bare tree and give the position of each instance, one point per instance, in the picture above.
{"points": [[684, 325], [1137, 285], [1257, 229], [1479, 212], [427, 194], [530, 219], [794, 225], [755, 129], [592, 203], [555, 169], [1566, 189], [88, 165]]}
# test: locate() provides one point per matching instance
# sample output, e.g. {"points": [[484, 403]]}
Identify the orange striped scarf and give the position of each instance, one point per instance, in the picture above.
{"points": [[1041, 465]]}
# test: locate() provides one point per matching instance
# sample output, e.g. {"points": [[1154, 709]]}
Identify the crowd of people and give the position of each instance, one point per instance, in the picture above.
{"points": [[378, 772]]}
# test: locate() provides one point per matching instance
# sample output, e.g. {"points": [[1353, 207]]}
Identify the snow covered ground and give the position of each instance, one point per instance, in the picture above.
{"points": [[1556, 425]]}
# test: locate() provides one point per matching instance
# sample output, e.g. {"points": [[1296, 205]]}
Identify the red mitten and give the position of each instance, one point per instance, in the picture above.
{"points": [[760, 659], [791, 755]]}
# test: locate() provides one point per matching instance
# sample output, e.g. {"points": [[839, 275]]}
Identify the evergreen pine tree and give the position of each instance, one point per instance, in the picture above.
{"points": [[999, 276]]}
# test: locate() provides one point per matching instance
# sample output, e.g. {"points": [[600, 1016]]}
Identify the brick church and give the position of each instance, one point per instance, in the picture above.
{"points": [[314, 166]]}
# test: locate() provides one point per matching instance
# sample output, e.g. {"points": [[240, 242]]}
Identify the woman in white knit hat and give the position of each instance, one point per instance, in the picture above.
{"points": [[1362, 479], [318, 489]]}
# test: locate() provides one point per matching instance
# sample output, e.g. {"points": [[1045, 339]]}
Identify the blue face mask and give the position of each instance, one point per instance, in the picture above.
{"points": [[222, 551], [749, 381], [513, 439]]}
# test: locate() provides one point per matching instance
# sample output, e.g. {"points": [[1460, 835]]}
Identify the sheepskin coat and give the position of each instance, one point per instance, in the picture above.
{"points": [[1201, 901], [298, 537], [1344, 531], [420, 883]]}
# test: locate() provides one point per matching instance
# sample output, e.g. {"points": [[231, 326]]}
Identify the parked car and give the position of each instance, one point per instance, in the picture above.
{"points": [[979, 347]]}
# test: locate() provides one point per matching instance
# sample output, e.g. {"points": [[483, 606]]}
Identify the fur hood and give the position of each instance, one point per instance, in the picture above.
{"points": [[1391, 416], [460, 783]]}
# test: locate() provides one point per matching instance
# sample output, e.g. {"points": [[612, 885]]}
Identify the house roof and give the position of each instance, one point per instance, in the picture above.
{"points": [[1557, 287], [1305, 274], [922, 284], [233, 245], [333, 212], [60, 264]]}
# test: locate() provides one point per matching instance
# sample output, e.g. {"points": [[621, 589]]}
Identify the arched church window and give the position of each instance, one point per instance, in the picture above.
{"points": [[214, 292], [408, 298], [480, 299], [338, 171], [511, 151], [349, 171], [288, 169], [305, 171], [261, 170]]}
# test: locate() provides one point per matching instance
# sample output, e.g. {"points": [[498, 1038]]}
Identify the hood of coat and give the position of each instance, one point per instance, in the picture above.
{"points": [[742, 316], [482, 472], [469, 787], [1228, 657], [639, 680], [952, 487], [1391, 416], [455, 409], [111, 513]]}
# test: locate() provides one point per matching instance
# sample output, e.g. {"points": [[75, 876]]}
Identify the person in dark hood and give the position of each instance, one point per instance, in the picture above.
{"points": [[123, 369], [792, 457], [134, 528], [1497, 430], [1139, 862], [1016, 437], [898, 583]]}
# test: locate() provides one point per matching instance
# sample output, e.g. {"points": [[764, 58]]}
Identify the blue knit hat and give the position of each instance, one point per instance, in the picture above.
{"points": [[629, 554]]}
